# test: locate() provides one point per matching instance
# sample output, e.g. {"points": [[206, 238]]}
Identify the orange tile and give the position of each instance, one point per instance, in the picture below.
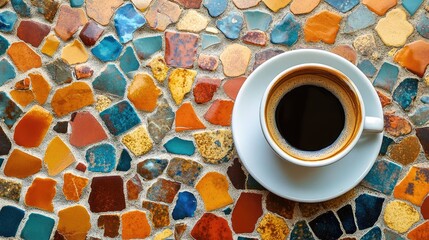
{"points": [[420, 232], [74, 53], [220, 112], [21, 164], [414, 57], [380, 7], [135, 225], [74, 222], [213, 188], [416, 179], [23, 84], [232, 86], [345, 51], [41, 193], [57, 156], [323, 26], [303, 6], [40, 87], [143, 92], [22, 97], [187, 119], [23, 56], [73, 186], [71, 98], [32, 128]]}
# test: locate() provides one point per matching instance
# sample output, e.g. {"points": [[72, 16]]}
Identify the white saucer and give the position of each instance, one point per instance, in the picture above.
{"points": [[286, 179]]}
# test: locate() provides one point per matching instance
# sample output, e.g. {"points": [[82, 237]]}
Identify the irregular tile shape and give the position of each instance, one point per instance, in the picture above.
{"points": [[108, 49], [367, 210], [22, 165], [120, 118], [101, 158], [40, 87], [135, 225], [343, 6], [38, 227], [10, 190], [127, 20], [138, 141], [23, 57], [205, 88], [286, 31], [159, 124], [143, 92], [76, 3], [107, 194], [383, 176], [187, 119], [406, 151], [101, 11], [230, 25], [264, 55], [400, 216], [386, 77], [258, 38], [61, 127], [69, 21], [21, 8], [232, 86], [151, 168], [74, 53], [10, 218], [215, 146], [86, 130], [395, 125], [180, 146], [414, 186], [124, 163], [159, 213], [236, 174], [303, 7], [243, 220], [128, 61], [141, 4], [7, 21], [280, 206], [323, 26], [180, 49], [73, 186], [345, 51], [385, 100], [208, 62], [48, 8], [192, 21], [326, 226], [9, 111], [22, 97], [389, 235], [111, 81], [90, 33], [422, 26], [41, 193], [208, 40], [59, 71], [424, 208], [71, 98], [272, 227], [184, 171], [345, 214], [309, 209], [102, 103], [420, 232], [215, 7], [159, 68], [276, 5], [110, 224], [411, 6], [373, 234], [147, 46], [57, 156], [423, 135], [134, 187], [360, 18], [32, 128], [380, 7], [414, 57], [163, 190], [301, 229], [235, 59], [81, 167], [162, 13], [180, 83], [394, 29], [7, 72], [425, 99], [220, 112], [32, 32], [74, 222], [365, 45], [251, 183], [210, 226], [213, 189], [186, 205]]}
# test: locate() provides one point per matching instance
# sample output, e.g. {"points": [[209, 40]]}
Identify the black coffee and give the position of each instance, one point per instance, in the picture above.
{"points": [[310, 117]]}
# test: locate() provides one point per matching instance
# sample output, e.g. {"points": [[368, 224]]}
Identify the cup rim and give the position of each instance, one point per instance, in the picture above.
{"points": [[317, 163]]}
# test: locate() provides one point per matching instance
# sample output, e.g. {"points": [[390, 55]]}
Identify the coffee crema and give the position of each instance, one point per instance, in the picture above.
{"points": [[312, 113]]}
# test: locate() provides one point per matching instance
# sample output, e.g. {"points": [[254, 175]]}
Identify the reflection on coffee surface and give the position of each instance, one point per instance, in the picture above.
{"points": [[310, 118]]}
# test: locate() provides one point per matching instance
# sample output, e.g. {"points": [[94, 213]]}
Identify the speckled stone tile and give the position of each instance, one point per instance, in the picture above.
{"points": [[383, 176], [163, 190], [272, 227], [400, 216]]}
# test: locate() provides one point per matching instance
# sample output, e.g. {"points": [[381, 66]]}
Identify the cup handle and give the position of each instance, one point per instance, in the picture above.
{"points": [[373, 124]]}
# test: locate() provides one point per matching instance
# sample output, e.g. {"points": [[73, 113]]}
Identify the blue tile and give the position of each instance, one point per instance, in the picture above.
{"points": [[7, 21], [10, 218], [128, 61], [127, 20], [343, 5], [367, 68], [286, 32], [411, 5], [76, 3], [251, 183], [9, 111], [405, 93], [390, 235], [425, 99], [1, 161], [215, 7], [101, 158], [7, 72], [180, 146], [108, 49], [385, 145], [386, 77], [38, 227], [368, 209], [359, 19], [111, 81], [301, 231], [421, 116], [247, 238], [326, 226], [151, 168], [256, 19], [4, 45], [186, 205], [422, 26], [227, 211], [345, 214], [120, 118], [5, 144], [124, 163], [147, 46], [230, 25], [21, 8], [373, 234], [208, 40]]}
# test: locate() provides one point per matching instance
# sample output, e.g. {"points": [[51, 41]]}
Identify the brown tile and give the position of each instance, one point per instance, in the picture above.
{"points": [[107, 194], [68, 22], [32, 32], [110, 224], [90, 33]]}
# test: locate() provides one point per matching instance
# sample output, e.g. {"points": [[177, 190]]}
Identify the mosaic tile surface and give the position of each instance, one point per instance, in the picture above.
{"points": [[115, 118]]}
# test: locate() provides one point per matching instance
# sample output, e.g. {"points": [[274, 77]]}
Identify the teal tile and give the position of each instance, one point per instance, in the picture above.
{"points": [[208, 40], [257, 19], [128, 61], [147, 46], [38, 227]]}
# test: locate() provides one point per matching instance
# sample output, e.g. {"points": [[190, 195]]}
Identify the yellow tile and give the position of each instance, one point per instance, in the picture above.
{"points": [[400, 216], [51, 45], [138, 141], [74, 53], [213, 188], [57, 156]]}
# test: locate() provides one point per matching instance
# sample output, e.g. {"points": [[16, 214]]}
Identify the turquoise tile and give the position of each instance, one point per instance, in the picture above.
{"points": [[120, 118], [7, 21], [343, 5], [406, 92], [360, 18], [411, 5], [257, 19], [101, 158], [127, 20], [76, 3], [180, 146], [422, 26], [383, 176], [230, 25], [111, 81], [208, 40], [215, 7], [367, 68], [10, 218], [38, 227], [286, 32], [108, 49], [421, 116], [21, 8], [7, 72], [9, 111], [128, 61], [147, 46], [124, 163], [387, 77]]}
